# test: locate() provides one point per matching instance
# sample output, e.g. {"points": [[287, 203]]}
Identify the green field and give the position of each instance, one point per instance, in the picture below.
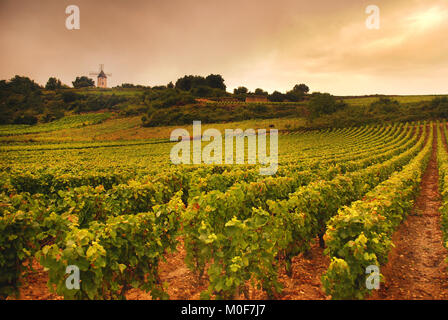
{"points": [[67, 122], [365, 101]]}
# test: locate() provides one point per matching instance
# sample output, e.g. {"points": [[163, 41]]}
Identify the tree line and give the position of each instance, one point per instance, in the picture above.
{"points": [[23, 101]]}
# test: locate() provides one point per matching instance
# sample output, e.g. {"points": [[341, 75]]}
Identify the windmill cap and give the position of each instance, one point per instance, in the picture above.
{"points": [[102, 74]]}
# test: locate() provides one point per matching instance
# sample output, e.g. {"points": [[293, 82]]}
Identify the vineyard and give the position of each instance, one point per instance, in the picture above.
{"points": [[64, 123], [138, 226]]}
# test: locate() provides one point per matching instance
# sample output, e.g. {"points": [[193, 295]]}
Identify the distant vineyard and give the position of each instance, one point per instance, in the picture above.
{"points": [[63, 123]]}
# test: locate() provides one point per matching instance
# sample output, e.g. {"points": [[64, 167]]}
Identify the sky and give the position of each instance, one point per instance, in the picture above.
{"points": [[268, 44]]}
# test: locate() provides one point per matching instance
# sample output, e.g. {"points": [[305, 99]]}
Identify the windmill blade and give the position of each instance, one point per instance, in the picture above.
{"points": [[108, 74], [93, 73]]}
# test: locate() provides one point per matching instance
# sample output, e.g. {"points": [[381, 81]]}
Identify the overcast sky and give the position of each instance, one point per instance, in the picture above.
{"points": [[271, 44]]}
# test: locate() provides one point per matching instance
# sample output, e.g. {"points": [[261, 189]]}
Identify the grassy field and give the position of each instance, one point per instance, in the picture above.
{"points": [[363, 101]]}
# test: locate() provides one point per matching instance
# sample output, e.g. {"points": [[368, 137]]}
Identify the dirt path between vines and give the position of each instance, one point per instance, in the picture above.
{"points": [[416, 269]]}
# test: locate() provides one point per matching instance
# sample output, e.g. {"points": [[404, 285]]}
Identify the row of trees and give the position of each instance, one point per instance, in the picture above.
{"points": [[298, 93], [211, 86], [80, 82], [298, 88], [205, 87], [187, 83], [22, 101]]}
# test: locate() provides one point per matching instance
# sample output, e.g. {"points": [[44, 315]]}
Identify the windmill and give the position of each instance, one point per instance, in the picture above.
{"points": [[101, 76]]}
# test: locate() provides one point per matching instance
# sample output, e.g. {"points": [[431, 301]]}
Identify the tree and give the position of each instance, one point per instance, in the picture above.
{"points": [[202, 91], [131, 86], [301, 88], [53, 84], [297, 93], [276, 96], [161, 87], [240, 90], [293, 96], [83, 82], [384, 105], [215, 81], [170, 85], [323, 103], [439, 107], [186, 83], [261, 92], [70, 96], [25, 119], [22, 85]]}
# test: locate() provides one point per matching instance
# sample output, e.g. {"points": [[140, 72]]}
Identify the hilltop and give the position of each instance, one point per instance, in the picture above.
{"points": [[28, 108]]}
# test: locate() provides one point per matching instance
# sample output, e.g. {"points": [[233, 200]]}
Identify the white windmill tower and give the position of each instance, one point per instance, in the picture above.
{"points": [[101, 77]]}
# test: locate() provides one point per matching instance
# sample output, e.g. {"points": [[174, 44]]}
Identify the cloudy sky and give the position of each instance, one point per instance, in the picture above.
{"points": [[271, 44]]}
